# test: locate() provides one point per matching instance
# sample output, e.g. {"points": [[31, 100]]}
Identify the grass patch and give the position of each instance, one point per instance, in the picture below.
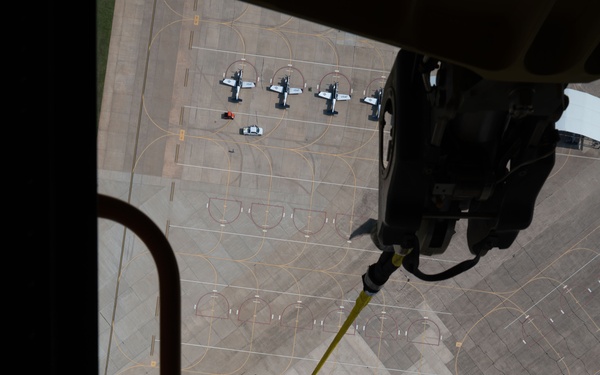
{"points": [[104, 17]]}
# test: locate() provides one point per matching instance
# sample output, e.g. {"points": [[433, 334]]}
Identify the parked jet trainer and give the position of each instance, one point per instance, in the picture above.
{"points": [[286, 90], [238, 83], [375, 101], [333, 96]]}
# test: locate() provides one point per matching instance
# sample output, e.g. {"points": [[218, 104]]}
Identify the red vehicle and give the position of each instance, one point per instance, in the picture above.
{"points": [[228, 115]]}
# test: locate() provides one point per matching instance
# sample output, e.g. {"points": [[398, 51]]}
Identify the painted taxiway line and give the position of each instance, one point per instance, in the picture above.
{"points": [[280, 177], [312, 296], [303, 358]]}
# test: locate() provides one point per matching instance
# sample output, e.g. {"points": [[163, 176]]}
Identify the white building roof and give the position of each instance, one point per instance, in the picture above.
{"points": [[582, 116]]}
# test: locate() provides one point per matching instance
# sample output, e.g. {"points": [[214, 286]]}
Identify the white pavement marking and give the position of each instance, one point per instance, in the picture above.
{"points": [[299, 242], [310, 296], [273, 176], [550, 292], [300, 358], [293, 60], [578, 156], [325, 124], [276, 239]]}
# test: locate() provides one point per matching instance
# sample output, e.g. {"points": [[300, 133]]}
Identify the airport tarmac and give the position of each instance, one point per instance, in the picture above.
{"points": [[260, 225]]}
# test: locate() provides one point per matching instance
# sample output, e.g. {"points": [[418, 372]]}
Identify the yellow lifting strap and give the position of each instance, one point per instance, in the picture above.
{"points": [[362, 301]]}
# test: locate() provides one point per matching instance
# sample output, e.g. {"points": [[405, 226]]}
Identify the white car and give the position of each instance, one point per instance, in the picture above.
{"points": [[251, 130]]}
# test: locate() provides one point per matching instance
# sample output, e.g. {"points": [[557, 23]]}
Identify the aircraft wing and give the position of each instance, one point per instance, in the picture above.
{"points": [[230, 82], [276, 88], [370, 100], [325, 94], [294, 90], [343, 97], [247, 85]]}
